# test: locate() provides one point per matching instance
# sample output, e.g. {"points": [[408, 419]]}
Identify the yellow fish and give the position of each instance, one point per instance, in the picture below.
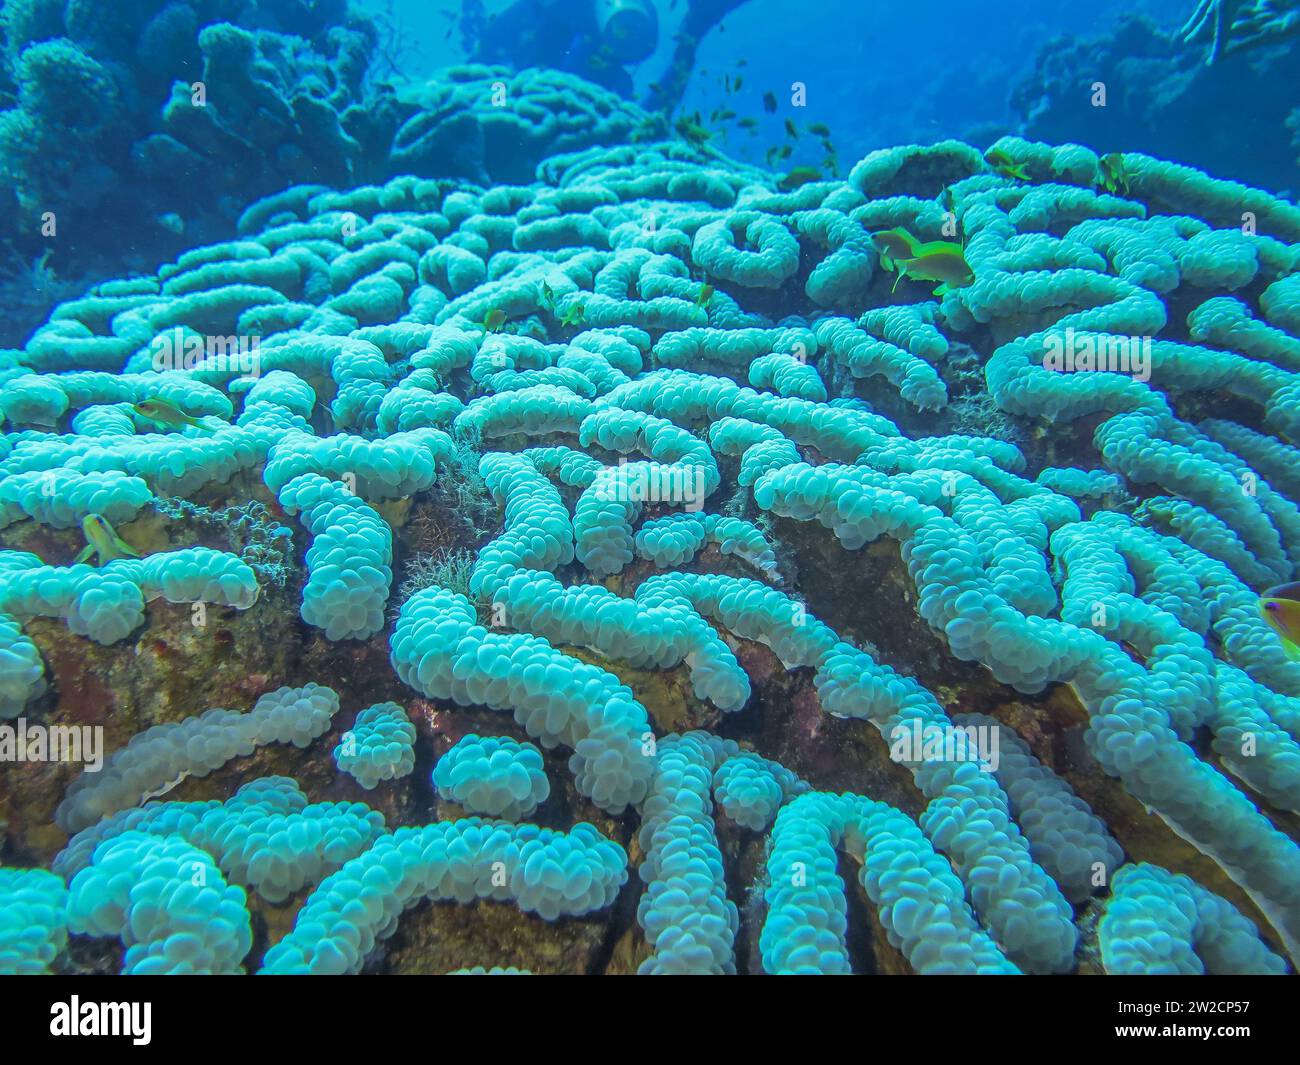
{"points": [[894, 244], [938, 260], [1111, 174], [1003, 165], [798, 177], [1281, 609], [691, 130], [159, 410], [102, 540]]}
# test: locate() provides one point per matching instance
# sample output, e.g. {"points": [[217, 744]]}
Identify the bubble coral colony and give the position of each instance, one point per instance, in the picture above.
{"points": [[793, 551]]}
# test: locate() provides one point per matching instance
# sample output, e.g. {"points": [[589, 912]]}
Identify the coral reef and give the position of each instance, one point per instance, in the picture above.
{"points": [[259, 98], [261, 95], [761, 599], [492, 125], [1162, 97], [1234, 25], [493, 776], [379, 746]]}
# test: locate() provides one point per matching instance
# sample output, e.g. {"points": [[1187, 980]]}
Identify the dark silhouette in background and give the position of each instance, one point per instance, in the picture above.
{"points": [[600, 40], [595, 39]]}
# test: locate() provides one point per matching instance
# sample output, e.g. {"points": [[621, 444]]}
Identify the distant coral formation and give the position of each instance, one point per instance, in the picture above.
{"points": [[494, 126], [1163, 98], [256, 96]]}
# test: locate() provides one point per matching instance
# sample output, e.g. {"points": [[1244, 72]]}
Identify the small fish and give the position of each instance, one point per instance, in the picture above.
{"points": [[159, 410], [1112, 174], [692, 131], [726, 83], [573, 314], [791, 130], [102, 540], [800, 175], [726, 115], [748, 123], [819, 129], [938, 260], [1281, 609], [1002, 164], [735, 85], [705, 296], [494, 320], [742, 62], [548, 296], [894, 244], [784, 152], [769, 103]]}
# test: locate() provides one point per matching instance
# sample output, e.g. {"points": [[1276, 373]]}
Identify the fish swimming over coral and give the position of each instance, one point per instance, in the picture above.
{"points": [[164, 413], [102, 541], [1003, 165], [936, 260], [894, 246], [1281, 609]]}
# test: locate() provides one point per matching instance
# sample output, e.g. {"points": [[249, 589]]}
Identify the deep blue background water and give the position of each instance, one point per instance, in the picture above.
{"points": [[879, 72]]}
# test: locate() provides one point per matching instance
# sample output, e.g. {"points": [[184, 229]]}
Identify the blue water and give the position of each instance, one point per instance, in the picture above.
{"points": [[879, 73]]}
